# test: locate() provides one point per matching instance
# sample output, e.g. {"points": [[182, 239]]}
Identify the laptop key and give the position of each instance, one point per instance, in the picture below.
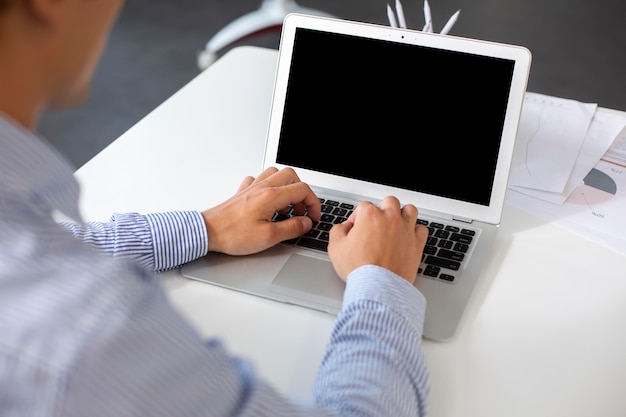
{"points": [[462, 238], [307, 242], [323, 226], [431, 271], [461, 247], [442, 262], [327, 218], [447, 277], [430, 249], [340, 212], [450, 254], [313, 233], [445, 244]]}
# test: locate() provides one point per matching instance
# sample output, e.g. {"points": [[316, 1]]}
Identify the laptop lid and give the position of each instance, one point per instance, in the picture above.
{"points": [[429, 118]]}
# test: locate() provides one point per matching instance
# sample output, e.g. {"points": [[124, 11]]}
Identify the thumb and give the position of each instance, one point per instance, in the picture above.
{"points": [[293, 227]]}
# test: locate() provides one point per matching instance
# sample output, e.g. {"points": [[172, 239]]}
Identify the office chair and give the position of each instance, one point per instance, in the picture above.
{"points": [[268, 17]]}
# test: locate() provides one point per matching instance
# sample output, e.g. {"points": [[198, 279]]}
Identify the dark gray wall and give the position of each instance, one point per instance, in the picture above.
{"points": [[579, 52]]}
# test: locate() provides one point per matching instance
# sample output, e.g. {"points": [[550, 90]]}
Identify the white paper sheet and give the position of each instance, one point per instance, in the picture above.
{"points": [[617, 153], [550, 136], [605, 128], [594, 210]]}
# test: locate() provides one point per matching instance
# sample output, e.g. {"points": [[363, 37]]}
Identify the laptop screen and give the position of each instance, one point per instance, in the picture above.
{"points": [[403, 115]]}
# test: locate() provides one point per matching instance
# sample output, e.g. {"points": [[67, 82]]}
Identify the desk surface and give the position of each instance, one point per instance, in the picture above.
{"points": [[543, 334]]}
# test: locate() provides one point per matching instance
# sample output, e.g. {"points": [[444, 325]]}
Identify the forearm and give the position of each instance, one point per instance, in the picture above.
{"points": [[374, 364], [157, 241]]}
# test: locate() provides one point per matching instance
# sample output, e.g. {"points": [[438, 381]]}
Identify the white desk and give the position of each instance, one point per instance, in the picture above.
{"points": [[545, 332]]}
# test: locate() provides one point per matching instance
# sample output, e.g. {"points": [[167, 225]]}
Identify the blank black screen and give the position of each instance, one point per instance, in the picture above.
{"points": [[408, 116]]}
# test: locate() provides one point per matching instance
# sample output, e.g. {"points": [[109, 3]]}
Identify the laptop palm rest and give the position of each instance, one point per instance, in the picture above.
{"points": [[281, 273], [310, 279]]}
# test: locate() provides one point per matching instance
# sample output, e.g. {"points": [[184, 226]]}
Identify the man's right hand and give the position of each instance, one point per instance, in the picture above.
{"points": [[243, 224], [385, 235]]}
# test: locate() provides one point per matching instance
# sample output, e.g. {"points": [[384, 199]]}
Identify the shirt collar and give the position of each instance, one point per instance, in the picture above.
{"points": [[30, 167]]}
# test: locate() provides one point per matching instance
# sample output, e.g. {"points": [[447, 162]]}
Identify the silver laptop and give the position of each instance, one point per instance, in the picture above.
{"points": [[363, 111]]}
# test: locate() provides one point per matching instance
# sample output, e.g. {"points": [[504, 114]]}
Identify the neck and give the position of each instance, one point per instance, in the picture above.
{"points": [[19, 109]]}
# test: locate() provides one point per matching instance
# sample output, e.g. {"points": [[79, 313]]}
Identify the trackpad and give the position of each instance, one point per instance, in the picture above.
{"points": [[311, 280]]}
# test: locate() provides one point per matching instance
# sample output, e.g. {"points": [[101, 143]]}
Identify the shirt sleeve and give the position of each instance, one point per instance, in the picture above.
{"points": [[157, 241], [144, 359], [374, 363]]}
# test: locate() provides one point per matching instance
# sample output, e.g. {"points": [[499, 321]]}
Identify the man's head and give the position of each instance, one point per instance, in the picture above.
{"points": [[49, 50]]}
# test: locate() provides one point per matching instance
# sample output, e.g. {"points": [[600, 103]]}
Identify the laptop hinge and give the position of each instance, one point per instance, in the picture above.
{"points": [[461, 219]]}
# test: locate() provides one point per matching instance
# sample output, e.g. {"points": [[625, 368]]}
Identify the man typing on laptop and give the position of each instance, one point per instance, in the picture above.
{"points": [[86, 333]]}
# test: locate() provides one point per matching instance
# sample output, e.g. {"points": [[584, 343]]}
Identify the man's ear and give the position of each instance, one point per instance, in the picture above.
{"points": [[46, 12]]}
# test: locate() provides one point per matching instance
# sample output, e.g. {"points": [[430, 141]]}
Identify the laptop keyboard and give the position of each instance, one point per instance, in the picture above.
{"points": [[446, 248]]}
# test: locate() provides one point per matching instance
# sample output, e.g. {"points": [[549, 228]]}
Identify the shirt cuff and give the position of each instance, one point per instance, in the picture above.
{"points": [[178, 237], [380, 285]]}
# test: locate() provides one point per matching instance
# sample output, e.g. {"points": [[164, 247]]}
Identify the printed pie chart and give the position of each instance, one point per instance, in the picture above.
{"points": [[597, 188]]}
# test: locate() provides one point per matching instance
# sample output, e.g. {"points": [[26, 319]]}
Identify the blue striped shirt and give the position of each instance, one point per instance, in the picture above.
{"points": [[86, 329]]}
